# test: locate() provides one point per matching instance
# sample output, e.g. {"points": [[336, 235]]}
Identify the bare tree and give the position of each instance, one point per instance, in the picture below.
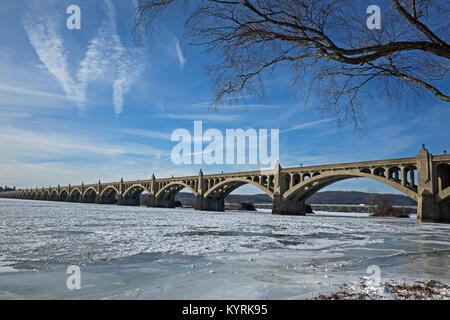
{"points": [[372, 197], [326, 39]]}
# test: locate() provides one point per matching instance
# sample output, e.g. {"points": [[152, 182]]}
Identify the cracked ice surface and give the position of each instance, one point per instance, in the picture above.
{"points": [[139, 252]]}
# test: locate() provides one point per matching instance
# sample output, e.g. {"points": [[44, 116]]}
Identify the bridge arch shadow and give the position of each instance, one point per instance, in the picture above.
{"points": [[132, 195], [63, 195], [165, 197], [443, 185], [54, 196], [75, 195], [214, 197], [109, 195], [89, 195]]}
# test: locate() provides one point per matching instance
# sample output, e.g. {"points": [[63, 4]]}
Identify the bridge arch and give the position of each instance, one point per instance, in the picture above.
{"points": [[46, 195], [296, 178], [214, 197], [54, 195], [109, 195], [89, 195], [443, 186], [444, 203], [75, 195], [307, 188], [224, 188], [108, 189], [132, 195], [444, 195], [169, 186], [443, 183], [410, 175], [135, 187], [165, 197], [63, 195], [395, 173], [443, 175]]}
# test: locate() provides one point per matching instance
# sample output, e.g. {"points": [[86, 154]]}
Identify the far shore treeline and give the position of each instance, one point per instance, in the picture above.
{"points": [[326, 197]]}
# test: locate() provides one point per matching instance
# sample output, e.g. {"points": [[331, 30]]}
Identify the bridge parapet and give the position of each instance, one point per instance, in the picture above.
{"points": [[354, 165]]}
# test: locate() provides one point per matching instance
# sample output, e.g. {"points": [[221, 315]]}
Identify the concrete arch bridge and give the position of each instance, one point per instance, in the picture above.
{"points": [[424, 178]]}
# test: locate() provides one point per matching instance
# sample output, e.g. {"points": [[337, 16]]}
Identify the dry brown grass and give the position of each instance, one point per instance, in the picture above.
{"points": [[419, 290]]}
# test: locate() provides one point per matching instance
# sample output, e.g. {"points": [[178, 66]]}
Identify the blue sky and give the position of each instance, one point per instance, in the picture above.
{"points": [[90, 104]]}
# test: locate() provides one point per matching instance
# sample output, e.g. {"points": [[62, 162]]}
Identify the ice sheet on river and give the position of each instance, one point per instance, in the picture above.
{"points": [[139, 252]]}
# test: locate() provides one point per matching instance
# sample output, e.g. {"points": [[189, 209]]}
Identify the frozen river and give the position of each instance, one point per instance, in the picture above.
{"points": [[154, 253]]}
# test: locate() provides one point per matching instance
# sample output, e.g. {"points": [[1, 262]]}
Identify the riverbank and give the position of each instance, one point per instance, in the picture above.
{"points": [[367, 290]]}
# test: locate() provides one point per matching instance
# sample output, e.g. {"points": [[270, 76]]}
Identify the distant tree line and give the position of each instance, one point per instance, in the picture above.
{"points": [[6, 188], [386, 210], [326, 197]]}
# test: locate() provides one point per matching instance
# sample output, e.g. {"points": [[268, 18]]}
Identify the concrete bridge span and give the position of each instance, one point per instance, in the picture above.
{"points": [[425, 178]]}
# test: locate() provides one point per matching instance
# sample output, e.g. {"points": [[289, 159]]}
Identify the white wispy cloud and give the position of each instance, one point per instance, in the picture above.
{"points": [[180, 56], [231, 106], [45, 38], [148, 133], [6, 116], [307, 124], [32, 144], [106, 58], [36, 157], [200, 116], [31, 92]]}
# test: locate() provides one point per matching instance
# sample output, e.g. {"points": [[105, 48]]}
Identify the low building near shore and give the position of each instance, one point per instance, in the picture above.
{"points": [[247, 206]]}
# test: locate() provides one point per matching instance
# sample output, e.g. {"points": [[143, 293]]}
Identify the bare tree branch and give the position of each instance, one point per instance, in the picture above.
{"points": [[327, 40]]}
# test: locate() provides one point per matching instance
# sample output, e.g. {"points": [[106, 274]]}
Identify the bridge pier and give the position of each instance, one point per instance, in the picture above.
{"points": [[286, 207], [210, 204], [106, 200], [150, 201], [199, 202], [429, 208], [164, 202], [444, 211], [283, 206], [426, 208], [128, 201]]}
